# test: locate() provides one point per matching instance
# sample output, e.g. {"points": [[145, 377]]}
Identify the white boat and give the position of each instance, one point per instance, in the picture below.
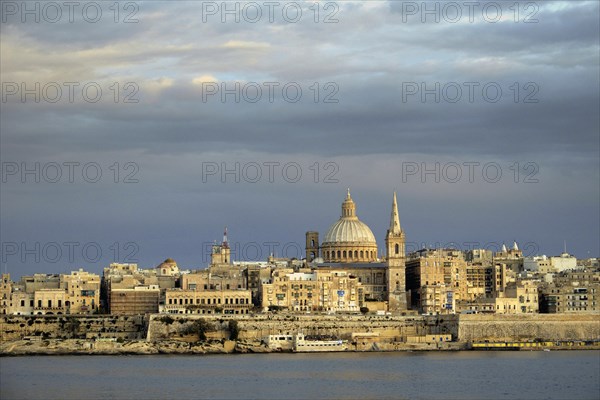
{"points": [[300, 344], [303, 345], [279, 342]]}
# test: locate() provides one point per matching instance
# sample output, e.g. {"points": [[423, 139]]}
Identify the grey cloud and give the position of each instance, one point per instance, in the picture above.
{"points": [[369, 133]]}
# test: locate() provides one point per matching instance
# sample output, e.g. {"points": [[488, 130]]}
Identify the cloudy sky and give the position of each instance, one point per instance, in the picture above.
{"points": [[138, 132]]}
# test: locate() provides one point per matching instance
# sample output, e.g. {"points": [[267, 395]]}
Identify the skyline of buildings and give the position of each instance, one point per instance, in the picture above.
{"points": [[33, 253], [341, 273]]}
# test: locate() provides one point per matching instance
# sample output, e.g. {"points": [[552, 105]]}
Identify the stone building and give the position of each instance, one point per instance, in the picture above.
{"points": [[181, 301], [21, 302], [138, 285], [139, 299], [518, 298], [40, 294], [436, 299], [40, 281], [497, 277], [216, 277], [49, 302], [82, 292], [479, 256], [575, 291], [5, 293], [512, 258], [319, 290], [256, 276], [539, 264], [563, 262], [445, 272]]}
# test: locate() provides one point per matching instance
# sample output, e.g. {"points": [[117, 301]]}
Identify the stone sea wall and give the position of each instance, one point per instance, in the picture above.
{"points": [[154, 334], [551, 327], [14, 327], [387, 328]]}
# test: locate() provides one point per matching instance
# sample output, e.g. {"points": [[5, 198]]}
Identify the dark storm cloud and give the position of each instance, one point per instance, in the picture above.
{"points": [[370, 54]]}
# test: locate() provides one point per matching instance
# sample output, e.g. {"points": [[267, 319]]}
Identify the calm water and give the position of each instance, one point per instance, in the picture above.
{"points": [[463, 375]]}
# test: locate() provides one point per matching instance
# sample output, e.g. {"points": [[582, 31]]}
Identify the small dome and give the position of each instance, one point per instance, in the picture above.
{"points": [[168, 267]]}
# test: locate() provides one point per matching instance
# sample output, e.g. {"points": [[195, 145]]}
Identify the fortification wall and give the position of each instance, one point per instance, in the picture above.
{"points": [[251, 329], [552, 327], [15, 327]]}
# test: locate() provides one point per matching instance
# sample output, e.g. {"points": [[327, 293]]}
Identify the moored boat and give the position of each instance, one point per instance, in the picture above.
{"points": [[302, 344]]}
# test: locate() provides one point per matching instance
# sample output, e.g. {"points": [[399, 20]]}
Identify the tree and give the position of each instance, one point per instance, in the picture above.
{"points": [[234, 329], [73, 327], [199, 327]]}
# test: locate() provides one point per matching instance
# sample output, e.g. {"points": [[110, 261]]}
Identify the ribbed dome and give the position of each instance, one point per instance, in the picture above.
{"points": [[349, 239], [347, 230]]}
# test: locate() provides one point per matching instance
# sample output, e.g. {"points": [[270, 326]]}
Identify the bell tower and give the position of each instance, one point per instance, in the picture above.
{"points": [[221, 254], [312, 246], [396, 262]]}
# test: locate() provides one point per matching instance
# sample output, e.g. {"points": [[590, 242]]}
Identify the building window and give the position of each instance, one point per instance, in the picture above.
{"points": [[396, 249]]}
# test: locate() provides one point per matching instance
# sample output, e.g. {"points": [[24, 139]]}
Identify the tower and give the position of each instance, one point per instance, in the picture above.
{"points": [[221, 253], [312, 246], [396, 261]]}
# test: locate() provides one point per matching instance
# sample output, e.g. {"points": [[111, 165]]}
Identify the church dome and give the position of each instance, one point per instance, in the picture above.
{"points": [[349, 231], [168, 267], [349, 239]]}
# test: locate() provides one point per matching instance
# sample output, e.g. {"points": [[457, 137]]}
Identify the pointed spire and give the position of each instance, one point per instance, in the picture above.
{"points": [[515, 247], [504, 248], [395, 218], [225, 241], [348, 195]]}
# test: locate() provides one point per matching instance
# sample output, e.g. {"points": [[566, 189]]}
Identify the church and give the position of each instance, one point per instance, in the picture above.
{"points": [[350, 245]]}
